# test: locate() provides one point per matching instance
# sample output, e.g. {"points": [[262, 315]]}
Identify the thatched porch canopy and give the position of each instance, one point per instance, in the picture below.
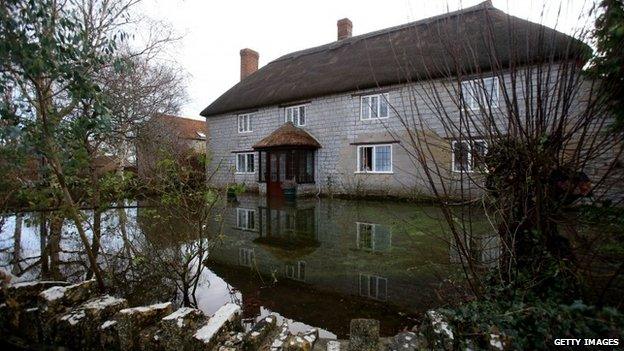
{"points": [[288, 136]]}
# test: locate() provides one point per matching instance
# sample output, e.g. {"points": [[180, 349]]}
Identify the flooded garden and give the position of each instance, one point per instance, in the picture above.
{"points": [[315, 262]]}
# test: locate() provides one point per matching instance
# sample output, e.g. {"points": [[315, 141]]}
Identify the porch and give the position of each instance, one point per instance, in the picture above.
{"points": [[286, 160]]}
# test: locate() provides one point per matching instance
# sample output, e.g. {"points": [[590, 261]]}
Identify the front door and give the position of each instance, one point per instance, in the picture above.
{"points": [[276, 164]]}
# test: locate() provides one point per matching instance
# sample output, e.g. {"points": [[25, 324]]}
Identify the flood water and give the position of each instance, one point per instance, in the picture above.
{"points": [[316, 262]]}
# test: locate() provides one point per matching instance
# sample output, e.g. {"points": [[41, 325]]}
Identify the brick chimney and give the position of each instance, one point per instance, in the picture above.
{"points": [[345, 28], [249, 62]]}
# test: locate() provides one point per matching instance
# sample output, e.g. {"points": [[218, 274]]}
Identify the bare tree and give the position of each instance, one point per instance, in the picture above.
{"points": [[55, 54], [501, 117]]}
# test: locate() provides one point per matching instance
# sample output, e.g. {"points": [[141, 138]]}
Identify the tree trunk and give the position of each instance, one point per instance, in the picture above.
{"points": [[73, 213], [43, 238], [54, 246], [17, 244]]}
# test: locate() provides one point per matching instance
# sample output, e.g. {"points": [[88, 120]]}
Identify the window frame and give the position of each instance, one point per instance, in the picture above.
{"points": [[246, 166], [380, 96], [299, 108], [478, 87], [370, 278], [296, 271], [470, 144], [374, 236], [246, 224], [246, 254], [247, 127], [373, 227], [374, 159]]}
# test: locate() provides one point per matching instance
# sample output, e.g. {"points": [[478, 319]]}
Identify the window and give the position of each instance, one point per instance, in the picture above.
{"points": [[373, 286], [296, 272], [245, 162], [244, 123], [287, 164], [245, 219], [481, 91], [246, 257], [469, 156], [296, 114], [373, 237], [374, 106], [375, 159]]}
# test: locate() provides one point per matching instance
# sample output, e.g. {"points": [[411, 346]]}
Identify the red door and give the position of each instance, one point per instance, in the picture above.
{"points": [[275, 165]]}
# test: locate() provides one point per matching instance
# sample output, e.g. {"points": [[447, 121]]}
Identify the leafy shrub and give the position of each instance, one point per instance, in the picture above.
{"points": [[530, 323]]}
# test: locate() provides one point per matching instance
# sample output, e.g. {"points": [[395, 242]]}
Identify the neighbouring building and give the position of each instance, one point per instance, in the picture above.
{"points": [[327, 117], [167, 136]]}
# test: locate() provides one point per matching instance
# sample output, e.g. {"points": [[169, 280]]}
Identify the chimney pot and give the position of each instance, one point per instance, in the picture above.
{"points": [[249, 62], [345, 28]]}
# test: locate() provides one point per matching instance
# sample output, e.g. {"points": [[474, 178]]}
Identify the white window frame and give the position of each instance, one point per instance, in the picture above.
{"points": [[474, 92], [298, 109], [370, 279], [374, 227], [374, 159], [383, 96], [244, 123], [296, 271], [470, 143], [245, 225], [246, 257], [245, 169]]}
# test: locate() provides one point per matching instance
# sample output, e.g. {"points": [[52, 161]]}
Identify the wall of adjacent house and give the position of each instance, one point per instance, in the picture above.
{"points": [[334, 120]]}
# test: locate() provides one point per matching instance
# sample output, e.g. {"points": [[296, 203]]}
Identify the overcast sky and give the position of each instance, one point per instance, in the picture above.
{"points": [[213, 32]]}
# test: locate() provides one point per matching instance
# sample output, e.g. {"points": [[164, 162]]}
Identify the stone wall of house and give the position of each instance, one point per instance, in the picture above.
{"points": [[334, 120]]}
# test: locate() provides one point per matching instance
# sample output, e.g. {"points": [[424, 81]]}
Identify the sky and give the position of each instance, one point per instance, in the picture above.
{"points": [[213, 32]]}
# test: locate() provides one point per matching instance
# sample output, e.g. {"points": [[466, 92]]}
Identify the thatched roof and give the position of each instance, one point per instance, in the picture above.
{"points": [[465, 40], [180, 127], [288, 136]]}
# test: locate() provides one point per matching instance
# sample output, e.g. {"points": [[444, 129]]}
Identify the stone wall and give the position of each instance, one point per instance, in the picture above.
{"points": [[42, 314], [57, 315], [334, 120]]}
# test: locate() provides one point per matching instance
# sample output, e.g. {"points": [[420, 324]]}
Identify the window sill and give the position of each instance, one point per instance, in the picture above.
{"points": [[244, 173], [372, 172], [470, 172], [245, 229], [296, 124], [247, 132], [372, 119]]}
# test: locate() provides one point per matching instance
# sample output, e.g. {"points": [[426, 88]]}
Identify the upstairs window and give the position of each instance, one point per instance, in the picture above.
{"points": [[296, 114], [375, 159], [245, 162], [244, 123], [374, 106], [469, 156], [481, 92]]}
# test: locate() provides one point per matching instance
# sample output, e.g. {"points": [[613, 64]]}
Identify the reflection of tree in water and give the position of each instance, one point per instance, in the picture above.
{"points": [[148, 254], [167, 260]]}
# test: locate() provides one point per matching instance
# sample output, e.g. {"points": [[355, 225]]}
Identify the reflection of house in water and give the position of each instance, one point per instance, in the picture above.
{"points": [[342, 250], [482, 249], [373, 286], [373, 237]]}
